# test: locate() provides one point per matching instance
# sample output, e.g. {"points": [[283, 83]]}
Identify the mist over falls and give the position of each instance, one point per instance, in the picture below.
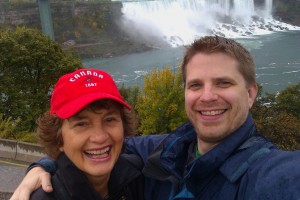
{"points": [[179, 22]]}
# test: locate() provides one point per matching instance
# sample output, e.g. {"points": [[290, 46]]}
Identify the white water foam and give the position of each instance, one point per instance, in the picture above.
{"points": [[179, 22]]}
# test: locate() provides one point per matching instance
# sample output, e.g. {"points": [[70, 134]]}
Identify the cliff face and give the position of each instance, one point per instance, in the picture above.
{"points": [[287, 11], [21, 14]]}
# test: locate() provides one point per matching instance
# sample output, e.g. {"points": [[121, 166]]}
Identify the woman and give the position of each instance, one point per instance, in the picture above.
{"points": [[84, 132]]}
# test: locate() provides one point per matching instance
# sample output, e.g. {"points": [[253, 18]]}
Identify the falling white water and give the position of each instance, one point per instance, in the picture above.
{"points": [[179, 22], [243, 10], [268, 8]]}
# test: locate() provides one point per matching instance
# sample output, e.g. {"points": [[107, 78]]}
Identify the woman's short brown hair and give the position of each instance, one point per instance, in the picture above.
{"points": [[49, 126]]}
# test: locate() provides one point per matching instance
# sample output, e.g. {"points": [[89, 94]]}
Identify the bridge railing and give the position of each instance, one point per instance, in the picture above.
{"points": [[21, 151]]}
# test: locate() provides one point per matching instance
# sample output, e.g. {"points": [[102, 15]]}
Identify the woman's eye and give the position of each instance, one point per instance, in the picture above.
{"points": [[81, 124], [110, 119]]}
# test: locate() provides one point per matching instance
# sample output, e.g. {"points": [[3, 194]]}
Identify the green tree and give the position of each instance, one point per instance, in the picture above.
{"points": [[274, 116], [30, 64], [7, 127], [289, 100], [160, 105], [130, 95], [281, 127]]}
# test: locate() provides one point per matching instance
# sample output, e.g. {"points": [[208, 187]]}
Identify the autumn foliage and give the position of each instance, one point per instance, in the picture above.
{"points": [[160, 105]]}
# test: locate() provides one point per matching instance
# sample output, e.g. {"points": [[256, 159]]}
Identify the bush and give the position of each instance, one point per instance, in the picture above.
{"points": [[160, 105]]}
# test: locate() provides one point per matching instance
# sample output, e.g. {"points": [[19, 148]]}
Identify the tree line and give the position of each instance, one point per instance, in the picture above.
{"points": [[31, 63]]}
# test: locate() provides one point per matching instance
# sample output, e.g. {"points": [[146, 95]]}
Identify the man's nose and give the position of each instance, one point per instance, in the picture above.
{"points": [[208, 94]]}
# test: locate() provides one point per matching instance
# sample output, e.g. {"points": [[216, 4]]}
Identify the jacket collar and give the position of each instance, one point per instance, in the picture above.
{"points": [[74, 180], [79, 187], [220, 159], [122, 174], [173, 151], [213, 159], [170, 154], [170, 157]]}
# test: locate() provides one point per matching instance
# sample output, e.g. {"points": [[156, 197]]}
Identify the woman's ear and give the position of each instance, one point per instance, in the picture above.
{"points": [[61, 143]]}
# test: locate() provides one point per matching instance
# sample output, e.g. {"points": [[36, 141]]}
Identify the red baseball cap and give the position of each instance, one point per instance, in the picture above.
{"points": [[76, 90]]}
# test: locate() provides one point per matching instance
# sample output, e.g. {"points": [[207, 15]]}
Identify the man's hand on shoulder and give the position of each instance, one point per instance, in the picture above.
{"points": [[34, 179]]}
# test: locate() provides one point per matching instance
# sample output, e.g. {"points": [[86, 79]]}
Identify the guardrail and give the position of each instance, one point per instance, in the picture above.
{"points": [[21, 151]]}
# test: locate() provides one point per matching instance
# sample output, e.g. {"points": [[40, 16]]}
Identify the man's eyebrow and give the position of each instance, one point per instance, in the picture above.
{"points": [[224, 78], [196, 79], [214, 78]]}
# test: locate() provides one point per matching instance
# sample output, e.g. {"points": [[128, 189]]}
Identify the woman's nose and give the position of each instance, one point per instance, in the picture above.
{"points": [[98, 135]]}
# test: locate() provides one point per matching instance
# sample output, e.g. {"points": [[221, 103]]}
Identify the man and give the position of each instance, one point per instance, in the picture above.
{"points": [[220, 154]]}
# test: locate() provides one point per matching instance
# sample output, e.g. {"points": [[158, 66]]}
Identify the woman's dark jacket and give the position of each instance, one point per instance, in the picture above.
{"points": [[126, 182]]}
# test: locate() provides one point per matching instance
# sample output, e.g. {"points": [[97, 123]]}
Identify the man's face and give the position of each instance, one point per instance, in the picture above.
{"points": [[217, 99]]}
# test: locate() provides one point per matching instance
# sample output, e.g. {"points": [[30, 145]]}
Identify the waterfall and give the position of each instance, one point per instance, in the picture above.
{"points": [[179, 22], [243, 10], [268, 8]]}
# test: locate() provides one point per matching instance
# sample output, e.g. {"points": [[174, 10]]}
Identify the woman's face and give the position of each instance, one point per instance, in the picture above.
{"points": [[93, 140]]}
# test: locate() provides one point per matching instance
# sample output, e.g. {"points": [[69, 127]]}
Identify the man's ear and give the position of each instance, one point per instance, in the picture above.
{"points": [[252, 93]]}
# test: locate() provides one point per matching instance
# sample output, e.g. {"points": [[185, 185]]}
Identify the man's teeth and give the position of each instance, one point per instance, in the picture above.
{"points": [[211, 113], [98, 153]]}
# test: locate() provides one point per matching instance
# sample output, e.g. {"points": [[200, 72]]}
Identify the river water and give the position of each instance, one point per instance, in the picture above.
{"points": [[276, 55]]}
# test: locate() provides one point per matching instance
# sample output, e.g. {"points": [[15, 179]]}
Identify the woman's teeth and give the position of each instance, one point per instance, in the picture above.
{"points": [[98, 153]]}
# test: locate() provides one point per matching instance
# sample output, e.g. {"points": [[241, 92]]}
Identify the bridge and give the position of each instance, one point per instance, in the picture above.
{"points": [[46, 18]]}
